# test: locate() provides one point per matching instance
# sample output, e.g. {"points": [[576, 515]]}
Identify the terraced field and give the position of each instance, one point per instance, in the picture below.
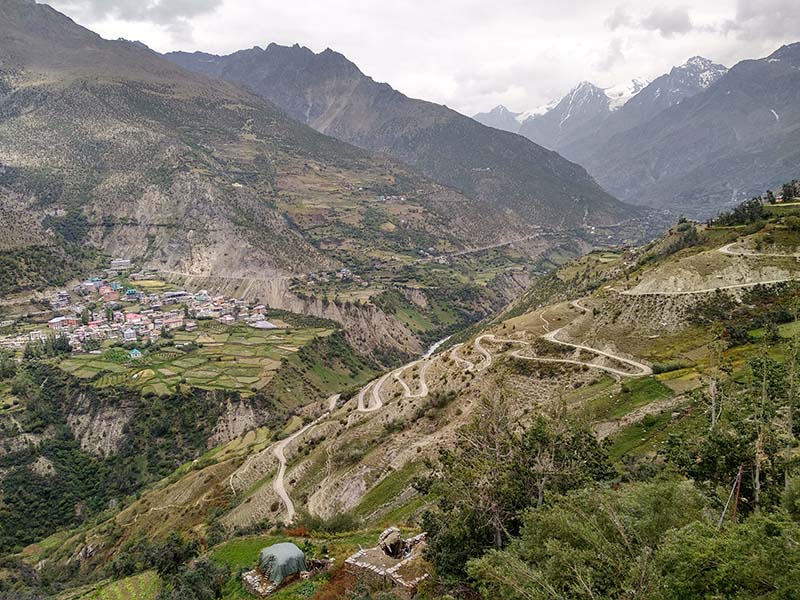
{"points": [[143, 586], [214, 357]]}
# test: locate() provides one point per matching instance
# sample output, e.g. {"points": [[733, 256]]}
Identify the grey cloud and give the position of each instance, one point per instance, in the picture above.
{"points": [[613, 55], [159, 12], [619, 18], [758, 18], [668, 21], [172, 15]]}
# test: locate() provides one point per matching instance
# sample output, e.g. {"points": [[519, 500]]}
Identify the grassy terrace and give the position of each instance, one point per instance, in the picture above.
{"points": [[143, 586], [389, 270], [634, 393], [213, 357]]}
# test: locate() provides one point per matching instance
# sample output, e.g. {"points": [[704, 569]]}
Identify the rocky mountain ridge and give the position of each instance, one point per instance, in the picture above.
{"points": [[731, 140], [500, 117], [332, 95], [695, 140]]}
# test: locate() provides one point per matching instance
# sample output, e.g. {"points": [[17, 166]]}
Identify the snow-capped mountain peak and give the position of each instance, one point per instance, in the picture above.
{"points": [[702, 71], [619, 94], [615, 96], [501, 110], [538, 111]]}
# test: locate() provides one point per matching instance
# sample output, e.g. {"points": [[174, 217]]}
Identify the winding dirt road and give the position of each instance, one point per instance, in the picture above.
{"points": [[369, 398], [642, 370], [373, 388], [466, 364], [728, 250], [279, 451], [735, 286]]}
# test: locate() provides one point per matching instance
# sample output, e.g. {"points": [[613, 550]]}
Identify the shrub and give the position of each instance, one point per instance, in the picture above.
{"points": [[338, 523], [793, 223], [676, 365]]}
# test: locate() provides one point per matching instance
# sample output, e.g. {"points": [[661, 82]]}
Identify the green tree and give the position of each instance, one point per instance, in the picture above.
{"points": [[201, 580], [747, 435], [592, 543], [759, 558], [8, 366], [497, 470]]}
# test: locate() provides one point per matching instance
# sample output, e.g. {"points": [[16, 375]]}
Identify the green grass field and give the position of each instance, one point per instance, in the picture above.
{"points": [[144, 586], [231, 358], [650, 433], [387, 490], [634, 393]]}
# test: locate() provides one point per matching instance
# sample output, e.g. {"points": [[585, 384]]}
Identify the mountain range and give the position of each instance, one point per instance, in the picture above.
{"points": [[113, 145], [607, 131], [588, 111], [694, 140], [599, 103], [733, 139], [588, 115], [328, 92]]}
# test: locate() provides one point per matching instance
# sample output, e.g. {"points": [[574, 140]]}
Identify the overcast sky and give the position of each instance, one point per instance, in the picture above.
{"points": [[468, 54]]}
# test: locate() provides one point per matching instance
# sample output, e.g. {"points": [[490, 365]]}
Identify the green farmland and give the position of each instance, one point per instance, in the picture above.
{"points": [[214, 357]]}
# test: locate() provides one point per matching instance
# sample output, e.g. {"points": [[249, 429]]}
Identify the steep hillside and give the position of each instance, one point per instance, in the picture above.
{"points": [[636, 343], [120, 148], [503, 171]]}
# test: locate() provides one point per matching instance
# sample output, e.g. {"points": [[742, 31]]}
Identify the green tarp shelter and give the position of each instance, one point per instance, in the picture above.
{"points": [[281, 560]]}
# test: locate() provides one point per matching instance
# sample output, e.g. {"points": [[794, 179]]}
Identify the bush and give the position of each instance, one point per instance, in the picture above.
{"points": [[338, 523], [793, 223], [201, 580], [670, 366], [758, 558]]}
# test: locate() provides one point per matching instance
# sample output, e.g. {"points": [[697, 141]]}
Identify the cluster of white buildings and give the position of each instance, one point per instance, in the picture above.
{"points": [[148, 317]]}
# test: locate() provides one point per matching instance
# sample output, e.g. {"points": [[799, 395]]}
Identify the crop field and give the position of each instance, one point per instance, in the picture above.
{"points": [[633, 394], [593, 263], [214, 357], [144, 586]]}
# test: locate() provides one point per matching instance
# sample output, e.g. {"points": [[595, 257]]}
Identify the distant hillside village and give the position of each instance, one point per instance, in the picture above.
{"points": [[108, 309]]}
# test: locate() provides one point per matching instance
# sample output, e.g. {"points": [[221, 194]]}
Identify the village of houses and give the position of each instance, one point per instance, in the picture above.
{"points": [[106, 309]]}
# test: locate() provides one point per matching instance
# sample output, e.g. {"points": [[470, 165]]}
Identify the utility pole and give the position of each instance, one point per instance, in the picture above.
{"points": [[713, 385], [738, 491]]}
